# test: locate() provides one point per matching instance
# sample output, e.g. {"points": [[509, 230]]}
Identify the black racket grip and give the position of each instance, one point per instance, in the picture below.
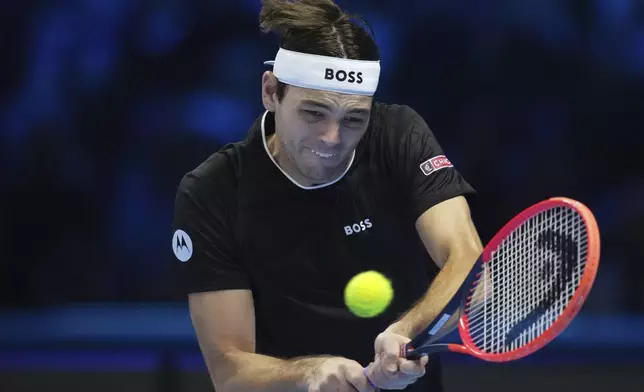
{"points": [[407, 352]]}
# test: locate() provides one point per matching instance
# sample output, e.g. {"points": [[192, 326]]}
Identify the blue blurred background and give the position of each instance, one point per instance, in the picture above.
{"points": [[105, 104]]}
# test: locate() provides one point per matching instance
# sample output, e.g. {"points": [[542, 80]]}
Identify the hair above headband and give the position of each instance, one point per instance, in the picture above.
{"points": [[327, 73]]}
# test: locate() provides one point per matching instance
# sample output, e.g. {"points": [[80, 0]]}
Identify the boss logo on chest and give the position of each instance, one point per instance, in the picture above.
{"points": [[358, 227], [343, 76]]}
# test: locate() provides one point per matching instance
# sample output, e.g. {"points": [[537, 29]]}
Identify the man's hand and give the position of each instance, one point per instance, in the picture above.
{"points": [[389, 370], [337, 374]]}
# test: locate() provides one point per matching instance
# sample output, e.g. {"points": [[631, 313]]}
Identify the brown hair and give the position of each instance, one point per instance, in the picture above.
{"points": [[317, 27]]}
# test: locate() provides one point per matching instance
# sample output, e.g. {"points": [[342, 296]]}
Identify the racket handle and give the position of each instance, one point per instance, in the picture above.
{"points": [[413, 356], [408, 352]]}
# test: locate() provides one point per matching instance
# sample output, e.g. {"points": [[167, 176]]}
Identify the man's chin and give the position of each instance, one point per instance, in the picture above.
{"points": [[317, 177], [318, 174], [322, 172]]}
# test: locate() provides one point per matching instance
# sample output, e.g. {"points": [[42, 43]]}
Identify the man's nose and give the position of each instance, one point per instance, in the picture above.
{"points": [[331, 134]]}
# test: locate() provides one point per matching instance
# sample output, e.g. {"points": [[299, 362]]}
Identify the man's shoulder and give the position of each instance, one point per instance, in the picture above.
{"points": [[221, 170], [396, 115], [391, 123], [217, 174]]}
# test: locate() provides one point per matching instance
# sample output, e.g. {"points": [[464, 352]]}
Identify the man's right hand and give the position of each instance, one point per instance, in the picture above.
{"points": [[337, 374]]}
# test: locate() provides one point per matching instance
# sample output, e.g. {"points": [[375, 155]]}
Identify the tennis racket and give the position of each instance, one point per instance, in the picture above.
{"points": [[526, 287]]}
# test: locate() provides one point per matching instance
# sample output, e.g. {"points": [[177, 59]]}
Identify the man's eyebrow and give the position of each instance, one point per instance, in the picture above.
{"points": [[312, 102]]}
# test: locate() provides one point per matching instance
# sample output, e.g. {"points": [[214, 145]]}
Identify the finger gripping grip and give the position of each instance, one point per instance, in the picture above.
{"points": [[404, 351]]}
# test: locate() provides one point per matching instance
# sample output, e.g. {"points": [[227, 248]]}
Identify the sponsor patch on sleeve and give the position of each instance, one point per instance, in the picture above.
{"points": [[435, 163], [182, 245]]}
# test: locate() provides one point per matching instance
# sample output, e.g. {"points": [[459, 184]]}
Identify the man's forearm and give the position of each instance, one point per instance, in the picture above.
{"points": [[439, 293], [250, 372]]}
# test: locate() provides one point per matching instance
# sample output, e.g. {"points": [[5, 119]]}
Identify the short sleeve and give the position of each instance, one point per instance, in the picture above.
{"points": [[425, 171], [203, 241]]}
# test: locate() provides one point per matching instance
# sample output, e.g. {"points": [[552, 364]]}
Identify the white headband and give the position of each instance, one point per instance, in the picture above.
{"points": [[326, 73]]}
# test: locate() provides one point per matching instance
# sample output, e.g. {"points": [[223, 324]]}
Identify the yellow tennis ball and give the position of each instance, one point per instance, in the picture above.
{"points": [[368, 294]]}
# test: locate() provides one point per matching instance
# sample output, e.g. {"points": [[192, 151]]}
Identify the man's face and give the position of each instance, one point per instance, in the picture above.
{"points": [[318, 130]]}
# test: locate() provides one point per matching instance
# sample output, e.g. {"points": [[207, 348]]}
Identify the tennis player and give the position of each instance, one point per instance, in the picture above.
{"points": [[328, 183]]}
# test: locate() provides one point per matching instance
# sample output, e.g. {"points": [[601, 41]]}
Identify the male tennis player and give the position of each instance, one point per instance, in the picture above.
{"points": [[327, 184]]}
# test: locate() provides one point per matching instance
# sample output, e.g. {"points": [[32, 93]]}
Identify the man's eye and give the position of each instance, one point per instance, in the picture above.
{"points": [[314, 113], [354, 121]]}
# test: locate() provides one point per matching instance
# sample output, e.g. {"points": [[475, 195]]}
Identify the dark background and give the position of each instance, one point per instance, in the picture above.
{"points": [[105, 104]]}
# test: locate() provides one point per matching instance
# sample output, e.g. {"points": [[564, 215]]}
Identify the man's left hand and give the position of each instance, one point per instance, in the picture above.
{"points": [[390, 370]]}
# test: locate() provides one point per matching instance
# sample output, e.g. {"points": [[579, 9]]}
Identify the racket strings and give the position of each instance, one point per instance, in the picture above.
{"points": [[528, 281]]}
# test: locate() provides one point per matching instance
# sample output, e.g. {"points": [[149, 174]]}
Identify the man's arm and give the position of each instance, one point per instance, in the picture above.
{"points": [[225, 325], [434, 192], [448, 233]]}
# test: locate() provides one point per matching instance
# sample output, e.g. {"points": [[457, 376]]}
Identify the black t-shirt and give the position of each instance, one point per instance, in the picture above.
{"points": [[242, 224]]}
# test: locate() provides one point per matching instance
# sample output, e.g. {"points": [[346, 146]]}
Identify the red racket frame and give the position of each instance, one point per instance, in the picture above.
{"points": [[569, 313]]}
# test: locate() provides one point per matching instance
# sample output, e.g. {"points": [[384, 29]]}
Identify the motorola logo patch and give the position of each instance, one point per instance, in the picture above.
{"points": [[182, 245]]}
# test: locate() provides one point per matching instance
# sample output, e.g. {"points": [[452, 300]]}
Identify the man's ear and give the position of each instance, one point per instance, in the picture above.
{"points": [[269, 91]]}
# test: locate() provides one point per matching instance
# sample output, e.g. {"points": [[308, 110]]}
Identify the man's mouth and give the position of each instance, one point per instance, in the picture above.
{"points": [[323, 154]]}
